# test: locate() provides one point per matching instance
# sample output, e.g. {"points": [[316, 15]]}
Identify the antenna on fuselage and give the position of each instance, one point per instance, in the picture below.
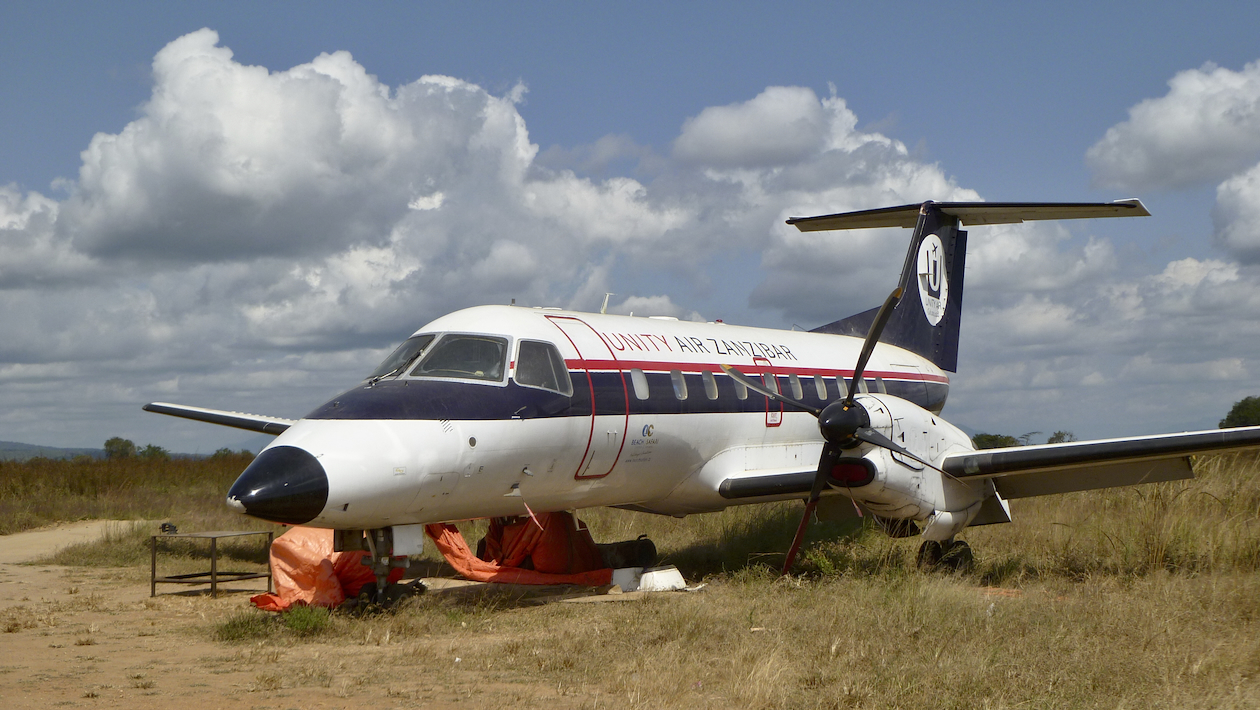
{"points": [[604, 308]]}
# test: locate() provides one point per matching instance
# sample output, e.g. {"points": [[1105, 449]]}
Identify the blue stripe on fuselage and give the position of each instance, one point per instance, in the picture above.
{"points": [[461, 400]]}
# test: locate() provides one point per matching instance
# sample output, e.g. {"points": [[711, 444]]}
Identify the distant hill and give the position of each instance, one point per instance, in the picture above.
{"points": [[16, 451]]}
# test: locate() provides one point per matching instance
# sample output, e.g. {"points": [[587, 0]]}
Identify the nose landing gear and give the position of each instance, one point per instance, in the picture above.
{"points": [[385, 555]]}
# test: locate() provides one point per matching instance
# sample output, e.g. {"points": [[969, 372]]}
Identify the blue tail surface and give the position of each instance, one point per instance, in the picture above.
{"points": [[928, 318]]}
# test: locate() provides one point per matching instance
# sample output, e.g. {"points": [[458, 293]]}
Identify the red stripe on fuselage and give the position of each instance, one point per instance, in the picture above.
{"points": [[656, 366]]}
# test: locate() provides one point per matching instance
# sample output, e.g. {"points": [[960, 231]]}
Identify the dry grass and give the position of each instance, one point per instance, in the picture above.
{"points": [[187, 492], [1166, 640], [1141, 597]]}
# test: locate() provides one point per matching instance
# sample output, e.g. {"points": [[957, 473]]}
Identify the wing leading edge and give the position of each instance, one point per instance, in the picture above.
{"points": [[236, 420], [1025, 471]]}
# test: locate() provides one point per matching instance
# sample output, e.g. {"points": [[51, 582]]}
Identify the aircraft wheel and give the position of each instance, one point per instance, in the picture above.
{"points": [[957, 556], [930, 553]]}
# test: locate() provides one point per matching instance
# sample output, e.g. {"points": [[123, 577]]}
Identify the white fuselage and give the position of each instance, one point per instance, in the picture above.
{"points": [[651, 423]]}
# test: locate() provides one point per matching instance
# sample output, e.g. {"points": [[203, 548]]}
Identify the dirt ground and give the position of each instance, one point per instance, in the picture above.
{"points": [[90, 637]]}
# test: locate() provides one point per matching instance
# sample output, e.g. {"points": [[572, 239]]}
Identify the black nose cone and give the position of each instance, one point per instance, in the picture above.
{"points": [[284, 484]]}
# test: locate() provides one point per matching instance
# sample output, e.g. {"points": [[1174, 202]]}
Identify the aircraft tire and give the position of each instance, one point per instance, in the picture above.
{"points": [[930, 553], [957, 556]]}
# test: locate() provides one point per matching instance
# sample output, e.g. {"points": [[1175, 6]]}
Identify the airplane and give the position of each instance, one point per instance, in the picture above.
{"points": [[497, 411]]}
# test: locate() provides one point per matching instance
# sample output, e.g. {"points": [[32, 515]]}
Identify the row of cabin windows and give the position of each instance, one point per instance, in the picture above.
{"points": [[796, 389], [539, 364]]}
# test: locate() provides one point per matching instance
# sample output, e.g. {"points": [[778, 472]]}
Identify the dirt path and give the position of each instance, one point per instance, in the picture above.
{"points": [[34, 544], [92, 637]]}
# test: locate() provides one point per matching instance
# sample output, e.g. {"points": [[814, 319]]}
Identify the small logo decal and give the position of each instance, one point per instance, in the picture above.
{"points": [[647, 430], [933, 281]]}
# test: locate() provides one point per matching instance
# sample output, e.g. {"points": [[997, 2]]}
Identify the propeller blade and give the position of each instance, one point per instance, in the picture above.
{"points": [[760, 388], [872, 339], [825, 463], [871, 436]]}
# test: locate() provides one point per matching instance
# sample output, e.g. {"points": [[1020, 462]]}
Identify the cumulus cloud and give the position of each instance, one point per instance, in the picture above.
{"points": [[30, 253], [1206, 128], [1236, 215], [228, 161], [781, 125], [256, 239]]}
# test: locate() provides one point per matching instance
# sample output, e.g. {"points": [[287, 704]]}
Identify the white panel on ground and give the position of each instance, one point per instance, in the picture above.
{"points": [[652, 579]]}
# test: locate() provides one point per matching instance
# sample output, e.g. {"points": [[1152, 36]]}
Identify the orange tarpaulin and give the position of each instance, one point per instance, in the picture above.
{"points": [[307, 571], [556, 545]]}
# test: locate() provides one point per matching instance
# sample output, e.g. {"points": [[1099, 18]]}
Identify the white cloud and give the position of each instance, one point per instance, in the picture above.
{"points": [[781, 125], [30, 253], [257, 239], [1206, 128], [654, 306], [1236, 215]]}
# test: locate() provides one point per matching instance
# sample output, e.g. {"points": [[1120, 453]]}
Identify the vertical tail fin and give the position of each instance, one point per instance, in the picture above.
{"points": [[928, 318]]}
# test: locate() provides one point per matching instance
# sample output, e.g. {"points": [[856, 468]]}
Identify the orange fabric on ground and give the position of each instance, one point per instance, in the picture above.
{"points": [[565, 553], [557, 543], [307, 571]]}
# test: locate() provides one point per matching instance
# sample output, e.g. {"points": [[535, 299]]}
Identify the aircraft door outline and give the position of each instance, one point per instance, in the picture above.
{"points": [[607, 433], [774, 417]]}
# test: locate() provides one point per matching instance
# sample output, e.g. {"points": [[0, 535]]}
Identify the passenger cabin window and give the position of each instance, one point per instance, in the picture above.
{"points": [[473, 357], [741, 391], [846, 387], [795, 383], [639, 380], [402, 356], [710, 384], [680, 384], [820, 386], [540, 365], [880, 387], [772, 382]]}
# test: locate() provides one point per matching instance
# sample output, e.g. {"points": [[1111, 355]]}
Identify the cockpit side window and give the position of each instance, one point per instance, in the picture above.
{"points": [[474, 357], [540, 365], [402, 356]]}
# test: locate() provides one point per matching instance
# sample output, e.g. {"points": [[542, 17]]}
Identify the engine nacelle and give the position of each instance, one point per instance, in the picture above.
{"points": [[893, 485]]}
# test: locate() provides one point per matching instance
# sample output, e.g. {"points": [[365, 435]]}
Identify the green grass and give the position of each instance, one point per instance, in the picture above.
{"points": [[247, 626], [298, 622], [306, 621]]}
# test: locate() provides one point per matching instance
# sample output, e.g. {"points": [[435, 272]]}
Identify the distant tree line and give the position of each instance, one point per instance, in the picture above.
{"points": [[1245, 412], [118, 448], [999, 441]]}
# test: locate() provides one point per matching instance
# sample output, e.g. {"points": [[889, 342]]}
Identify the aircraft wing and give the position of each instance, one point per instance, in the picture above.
{"points": [[1025, 471], [238, 420]]}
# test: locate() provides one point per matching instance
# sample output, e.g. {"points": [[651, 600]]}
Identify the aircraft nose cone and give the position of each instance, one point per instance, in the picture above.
{"points": [[284, 484]]}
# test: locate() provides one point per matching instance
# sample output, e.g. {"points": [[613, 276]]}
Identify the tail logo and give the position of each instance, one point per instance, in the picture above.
{"points": [[933, 281]]}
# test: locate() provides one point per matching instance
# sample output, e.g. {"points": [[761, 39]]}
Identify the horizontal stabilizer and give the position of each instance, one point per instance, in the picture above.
{"points": [[236, 420], [1024, 471], [972, 213]]}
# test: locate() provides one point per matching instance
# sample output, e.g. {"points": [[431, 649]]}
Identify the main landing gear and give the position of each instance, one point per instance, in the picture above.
{"points": [[952, 555]]}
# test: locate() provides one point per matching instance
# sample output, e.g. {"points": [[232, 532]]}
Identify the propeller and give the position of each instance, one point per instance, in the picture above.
{"points": [[845, 424]]}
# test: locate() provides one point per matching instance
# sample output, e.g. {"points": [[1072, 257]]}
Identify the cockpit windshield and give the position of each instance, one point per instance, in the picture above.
{"points": [[475, 357], [402, 356]]}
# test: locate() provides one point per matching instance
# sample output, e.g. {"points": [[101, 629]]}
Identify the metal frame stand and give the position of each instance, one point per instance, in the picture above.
{"points": [[214, 575]]}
